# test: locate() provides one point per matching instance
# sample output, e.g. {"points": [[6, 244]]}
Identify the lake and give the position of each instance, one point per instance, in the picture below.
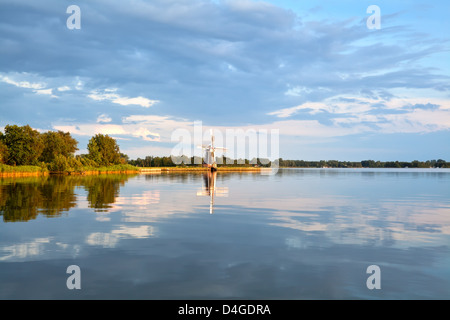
{"points": [[298, 234]]}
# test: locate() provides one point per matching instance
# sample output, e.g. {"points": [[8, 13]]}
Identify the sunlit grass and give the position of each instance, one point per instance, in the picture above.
{"points": [[7, 169], [22, 169]]}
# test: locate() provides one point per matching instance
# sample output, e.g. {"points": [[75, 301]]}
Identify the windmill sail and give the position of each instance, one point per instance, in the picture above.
{"points": [[210, 158]]}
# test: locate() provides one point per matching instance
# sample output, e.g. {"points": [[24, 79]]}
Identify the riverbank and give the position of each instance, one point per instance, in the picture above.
{"points": [[22, 174], [22, 171], [33, 171]]}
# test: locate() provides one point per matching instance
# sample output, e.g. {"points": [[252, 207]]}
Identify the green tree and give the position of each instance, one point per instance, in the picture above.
{"points": [[24, 145], [124, 159], [3, 149], [60, 163], [104, 150], [85, 161], [57, 143], [440, 163], [167, 162]]}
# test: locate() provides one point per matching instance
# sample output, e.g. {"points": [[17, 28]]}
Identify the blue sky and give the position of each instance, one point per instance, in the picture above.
{"points": [[139, 70]]}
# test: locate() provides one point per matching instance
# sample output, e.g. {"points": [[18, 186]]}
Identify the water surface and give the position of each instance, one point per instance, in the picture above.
{"points": [[299, 234]]}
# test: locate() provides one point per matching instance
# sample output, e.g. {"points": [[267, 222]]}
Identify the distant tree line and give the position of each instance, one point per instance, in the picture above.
{"points": [[151, 161], [363, 164], [55, 150]]}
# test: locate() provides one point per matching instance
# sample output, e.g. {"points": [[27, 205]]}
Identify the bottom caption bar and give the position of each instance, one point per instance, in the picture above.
{"points": [[227, 309]]}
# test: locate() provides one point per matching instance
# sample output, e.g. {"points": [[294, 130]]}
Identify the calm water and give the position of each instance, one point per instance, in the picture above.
{"points": [[300, 234]]}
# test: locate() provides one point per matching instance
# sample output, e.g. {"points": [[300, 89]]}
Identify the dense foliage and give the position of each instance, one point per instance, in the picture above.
{"points": [[103, 150], [57, 143], [23, 146]]}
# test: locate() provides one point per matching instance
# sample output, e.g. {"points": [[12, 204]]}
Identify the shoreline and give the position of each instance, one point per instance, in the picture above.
{"points": [[160, 170], [23, 174], [48, 173], [147, 170]]}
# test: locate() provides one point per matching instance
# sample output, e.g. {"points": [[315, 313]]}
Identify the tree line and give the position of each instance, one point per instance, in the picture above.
{"points": [[55, 150], [363, 164], [151, 161]]}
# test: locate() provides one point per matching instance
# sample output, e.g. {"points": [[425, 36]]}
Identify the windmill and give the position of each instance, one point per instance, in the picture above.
{"points": [[210, 158]]}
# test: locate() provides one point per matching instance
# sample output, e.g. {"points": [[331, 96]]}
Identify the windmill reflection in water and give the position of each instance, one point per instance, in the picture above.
{"points": [[211, 190]]}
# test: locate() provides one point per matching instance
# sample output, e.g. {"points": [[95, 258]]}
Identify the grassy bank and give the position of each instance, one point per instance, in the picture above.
{"points": [[25, 171], [22, 171], [119, 168]]}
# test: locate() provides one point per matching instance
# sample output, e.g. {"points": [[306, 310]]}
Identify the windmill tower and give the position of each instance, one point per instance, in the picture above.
{"points": [[210, 158]]}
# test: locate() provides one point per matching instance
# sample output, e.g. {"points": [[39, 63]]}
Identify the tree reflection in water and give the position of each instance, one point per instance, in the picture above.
{"points": [[23, 199]]}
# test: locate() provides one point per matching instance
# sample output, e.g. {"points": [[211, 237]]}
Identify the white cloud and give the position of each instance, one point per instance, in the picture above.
{"points": [[305, 128], [96, 95], [37, 87], [404, 103], [141, 101], [111, 95], [337, 105], [146, 135], [103, 118], [63, 88], [165, 123], [288, 112], [23, 84], [132, 130], [79, 84], [45, 91], [297, 91], [417, 121], [92, 129], [353, 114]]}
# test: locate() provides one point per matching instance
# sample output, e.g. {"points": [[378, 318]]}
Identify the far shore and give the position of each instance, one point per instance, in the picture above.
{"points": [[157, 170]]}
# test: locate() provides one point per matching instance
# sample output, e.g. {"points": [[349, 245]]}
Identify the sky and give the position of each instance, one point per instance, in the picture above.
{"points": [[333, 88]]}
